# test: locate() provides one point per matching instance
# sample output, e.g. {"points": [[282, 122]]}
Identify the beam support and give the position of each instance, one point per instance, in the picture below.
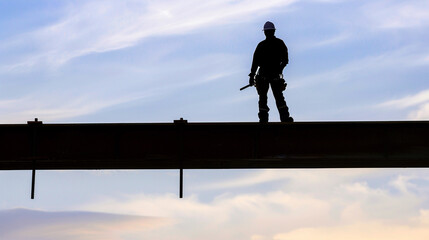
{"points": [[181, 184], [33, 181], [180, 125], [34, 126]]}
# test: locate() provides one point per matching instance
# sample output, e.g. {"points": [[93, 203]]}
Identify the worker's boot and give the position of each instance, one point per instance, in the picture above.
{"points": [[263, 116], [284, 115], [289, 119]]}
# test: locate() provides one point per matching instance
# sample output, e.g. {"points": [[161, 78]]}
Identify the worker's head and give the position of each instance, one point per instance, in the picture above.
{"points": [[269, 29]]}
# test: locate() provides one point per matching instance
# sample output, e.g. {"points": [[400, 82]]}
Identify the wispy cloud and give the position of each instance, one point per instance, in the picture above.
{"points": [[325, 202], [417, 105], [367, 19], [422, 113], [295, 177], [30, 224], [101, 26], [408, 101], [331, 41], [27, 108], [365, 68], [334, 40], [368, 230], [97, 91], [397, 14], [343, 200]]}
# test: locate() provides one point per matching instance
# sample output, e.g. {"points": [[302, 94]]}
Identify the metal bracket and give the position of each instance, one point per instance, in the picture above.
{"points": [[180, 125], [34, 140]]}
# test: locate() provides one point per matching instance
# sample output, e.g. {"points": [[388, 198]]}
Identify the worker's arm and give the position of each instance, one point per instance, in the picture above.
{"points": [[255, 65], [284, 57], [256, 61]]}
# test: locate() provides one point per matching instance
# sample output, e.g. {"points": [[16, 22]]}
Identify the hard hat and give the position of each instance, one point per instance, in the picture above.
{"points": [[269, 26]]}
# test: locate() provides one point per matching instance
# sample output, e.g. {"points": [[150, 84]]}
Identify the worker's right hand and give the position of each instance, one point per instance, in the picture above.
{"points": [[251, 79]]}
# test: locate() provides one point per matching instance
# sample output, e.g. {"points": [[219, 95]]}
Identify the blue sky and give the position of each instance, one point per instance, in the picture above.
{"points": [[157, 61]]}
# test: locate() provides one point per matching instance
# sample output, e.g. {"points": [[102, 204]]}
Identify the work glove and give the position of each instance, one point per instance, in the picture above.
{"points": [[251, 79]]}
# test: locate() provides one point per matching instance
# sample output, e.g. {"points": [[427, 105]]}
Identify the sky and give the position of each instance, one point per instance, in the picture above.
{"points": [[157, 61]]}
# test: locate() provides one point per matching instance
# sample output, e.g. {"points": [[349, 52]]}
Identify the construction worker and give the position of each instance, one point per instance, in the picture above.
{"points": [[269, 60]]}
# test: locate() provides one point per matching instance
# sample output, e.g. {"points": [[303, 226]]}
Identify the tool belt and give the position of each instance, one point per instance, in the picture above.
{"points": [[273, 79]]}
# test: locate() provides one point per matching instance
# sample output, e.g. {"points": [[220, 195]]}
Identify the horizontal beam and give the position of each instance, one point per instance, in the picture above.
{"points": [[183, 145]]}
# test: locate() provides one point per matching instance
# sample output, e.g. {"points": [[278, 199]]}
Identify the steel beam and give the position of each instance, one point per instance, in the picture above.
{"points": [[183, 145]]}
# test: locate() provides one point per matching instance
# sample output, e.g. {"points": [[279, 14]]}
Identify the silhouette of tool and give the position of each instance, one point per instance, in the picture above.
{"points": [[248, 85]]}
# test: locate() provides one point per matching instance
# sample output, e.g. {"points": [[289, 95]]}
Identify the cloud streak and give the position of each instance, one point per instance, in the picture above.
{"points": [[20, 224], [369, 230], [408, 101], [306, 203], [342, 202], [407, 57], [417, 105], [103, 88], [397, 14], [102, 26]]}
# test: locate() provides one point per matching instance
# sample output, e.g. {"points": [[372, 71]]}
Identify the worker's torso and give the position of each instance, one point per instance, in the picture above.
{"points": [[271, 52]]}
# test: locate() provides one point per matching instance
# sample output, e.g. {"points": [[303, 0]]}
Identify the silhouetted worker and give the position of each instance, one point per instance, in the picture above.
{"points": [[271, 57]]}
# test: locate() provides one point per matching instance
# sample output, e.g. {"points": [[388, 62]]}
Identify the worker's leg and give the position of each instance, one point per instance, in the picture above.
{"points": [[262, 87], [277, 88]]}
